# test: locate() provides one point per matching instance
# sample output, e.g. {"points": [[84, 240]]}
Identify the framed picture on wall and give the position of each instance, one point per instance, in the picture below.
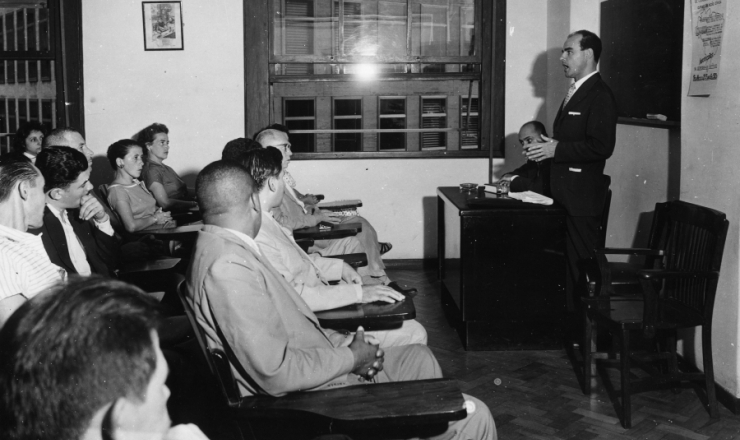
{"points": [[162, 26]]}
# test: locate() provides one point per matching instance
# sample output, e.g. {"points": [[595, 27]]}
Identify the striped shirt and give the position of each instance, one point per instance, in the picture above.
{"points": [[25, 267]]}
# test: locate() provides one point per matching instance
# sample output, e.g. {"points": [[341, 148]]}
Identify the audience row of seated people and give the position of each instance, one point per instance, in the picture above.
{"points": [[247, 279]]}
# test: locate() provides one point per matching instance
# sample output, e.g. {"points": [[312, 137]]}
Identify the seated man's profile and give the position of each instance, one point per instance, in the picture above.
{"points": [[532, 176], [82, 362]]}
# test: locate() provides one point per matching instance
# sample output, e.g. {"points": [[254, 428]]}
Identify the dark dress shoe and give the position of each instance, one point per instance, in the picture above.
{"points": [[405, 290]]}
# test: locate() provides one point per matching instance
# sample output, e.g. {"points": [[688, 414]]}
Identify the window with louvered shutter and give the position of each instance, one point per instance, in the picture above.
{"points": [[404, 65]]}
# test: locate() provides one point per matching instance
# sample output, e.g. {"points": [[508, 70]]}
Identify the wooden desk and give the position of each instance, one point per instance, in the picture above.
{"points": [[372, 316], [502, 270], [336, 231]]}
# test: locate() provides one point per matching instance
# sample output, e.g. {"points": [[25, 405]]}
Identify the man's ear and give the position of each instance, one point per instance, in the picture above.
{"points": [[23, 189], [55, 194], [122, 417], [271, 184]]}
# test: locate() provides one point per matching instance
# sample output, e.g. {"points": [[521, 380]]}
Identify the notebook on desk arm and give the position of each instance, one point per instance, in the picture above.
{"points": [[346, 208]]}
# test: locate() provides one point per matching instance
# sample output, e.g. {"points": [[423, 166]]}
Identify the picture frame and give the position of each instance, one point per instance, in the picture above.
{"points": [[162, 25]]}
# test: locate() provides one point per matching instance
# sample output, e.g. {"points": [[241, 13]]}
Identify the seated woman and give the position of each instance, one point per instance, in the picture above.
{"points": [[127, 196], [27, 140], [162, 181]]}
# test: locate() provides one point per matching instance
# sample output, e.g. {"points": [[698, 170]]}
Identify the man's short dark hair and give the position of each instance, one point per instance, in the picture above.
{"points": [[19, 139], [13, 172], [236, 149], [69, 352], [60, 166], [57, 135], [222, 185], [538, 126], [263, 164], [589, 40]]}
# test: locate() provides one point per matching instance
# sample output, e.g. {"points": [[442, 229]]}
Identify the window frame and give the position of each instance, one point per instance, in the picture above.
{"points": [[492, 19], [65, 29]]}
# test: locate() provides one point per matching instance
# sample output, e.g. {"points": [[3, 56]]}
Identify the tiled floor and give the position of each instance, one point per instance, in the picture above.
{"points": [[535, 394]]}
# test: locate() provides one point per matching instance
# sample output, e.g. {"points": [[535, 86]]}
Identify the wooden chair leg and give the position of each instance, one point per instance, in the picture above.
{"points": [[706, 345], [625, 375], [587, 350]]}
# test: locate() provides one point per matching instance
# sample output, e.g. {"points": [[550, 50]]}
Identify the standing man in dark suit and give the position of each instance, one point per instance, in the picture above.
{"points": [[71, 241], [584, 135]]}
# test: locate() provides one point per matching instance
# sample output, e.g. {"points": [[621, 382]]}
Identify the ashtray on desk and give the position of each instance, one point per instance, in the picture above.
{"points": [[468, 186]]}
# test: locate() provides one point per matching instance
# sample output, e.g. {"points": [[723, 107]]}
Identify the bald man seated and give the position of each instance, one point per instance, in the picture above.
{"points": [[532, 176], [310, 274], [242, 302]]}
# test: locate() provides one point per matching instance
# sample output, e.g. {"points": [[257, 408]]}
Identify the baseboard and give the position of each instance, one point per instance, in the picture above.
{"points": [[726, 398], [412, 264]]}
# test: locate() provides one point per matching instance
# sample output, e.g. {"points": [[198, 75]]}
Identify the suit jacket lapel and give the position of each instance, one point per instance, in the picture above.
{"points": [[58, 238]]}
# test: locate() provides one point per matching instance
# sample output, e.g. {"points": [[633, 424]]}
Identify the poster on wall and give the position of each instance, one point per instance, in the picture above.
{"points": [[708, 22], [162, 26]]}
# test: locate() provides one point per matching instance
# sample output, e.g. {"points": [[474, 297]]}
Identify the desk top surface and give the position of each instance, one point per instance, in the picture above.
{"points": [[478, 201]]}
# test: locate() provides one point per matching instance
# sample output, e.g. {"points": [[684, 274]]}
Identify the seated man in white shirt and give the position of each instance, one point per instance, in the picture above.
{"points": [[25, 269], [310, 274], [72, 241], [102, 377]]}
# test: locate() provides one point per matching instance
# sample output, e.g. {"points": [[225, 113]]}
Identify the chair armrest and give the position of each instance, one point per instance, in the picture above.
{"points": [[630, 251], [649, 274], [148, 266], [340, 230], [304, 243], [355, 260], [388, 404]]}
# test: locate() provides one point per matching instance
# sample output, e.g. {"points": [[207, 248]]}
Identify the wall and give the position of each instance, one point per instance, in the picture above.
{"points": [[197, 92], [709, 177]]}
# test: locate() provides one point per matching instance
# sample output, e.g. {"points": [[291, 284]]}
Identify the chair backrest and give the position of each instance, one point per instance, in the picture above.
{"points": [[692, 238], [215, 357]]}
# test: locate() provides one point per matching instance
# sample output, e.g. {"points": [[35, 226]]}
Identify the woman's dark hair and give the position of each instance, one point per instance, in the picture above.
{"points": [[120, 149], [19, 139], [147, 135]]}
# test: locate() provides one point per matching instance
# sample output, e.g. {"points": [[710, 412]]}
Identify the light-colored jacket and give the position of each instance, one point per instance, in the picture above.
{"points": [[271, 330], [308, 274]]}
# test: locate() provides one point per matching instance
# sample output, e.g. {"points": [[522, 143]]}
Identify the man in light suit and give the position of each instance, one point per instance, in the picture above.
{"points": [[584, 136], [243, 303], [310, 274], [77, 233]]}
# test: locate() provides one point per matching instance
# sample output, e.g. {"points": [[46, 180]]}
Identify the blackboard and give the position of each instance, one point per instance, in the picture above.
{"points": [[641, 60]]}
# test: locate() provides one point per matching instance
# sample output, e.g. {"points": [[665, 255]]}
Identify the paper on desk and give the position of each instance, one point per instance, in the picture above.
{"points": [[531, 197]]}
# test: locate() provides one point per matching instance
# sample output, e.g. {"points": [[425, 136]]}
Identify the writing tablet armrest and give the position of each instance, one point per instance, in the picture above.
{"points": [[648, 274], [355, 260], [630, 251], [386, 404]]}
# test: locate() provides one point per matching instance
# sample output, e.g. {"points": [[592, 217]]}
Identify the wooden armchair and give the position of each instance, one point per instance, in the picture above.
{"points": [[677, 292], [401, 409]]}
